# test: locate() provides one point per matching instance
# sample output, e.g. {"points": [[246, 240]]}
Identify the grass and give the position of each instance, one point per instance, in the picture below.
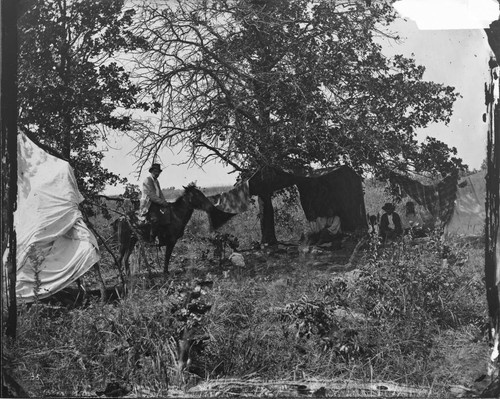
{"points": [[399, 317]]}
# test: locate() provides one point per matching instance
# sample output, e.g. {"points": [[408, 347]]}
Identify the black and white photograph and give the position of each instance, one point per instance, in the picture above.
{"points": [[250, 198]]}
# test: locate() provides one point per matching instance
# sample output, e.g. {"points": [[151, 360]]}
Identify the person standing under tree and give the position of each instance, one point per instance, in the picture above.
{"points": [[152, 201]]}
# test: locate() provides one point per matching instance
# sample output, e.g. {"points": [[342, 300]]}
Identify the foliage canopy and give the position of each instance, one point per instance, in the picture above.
{"points": [[70, 90], [289, 83]]}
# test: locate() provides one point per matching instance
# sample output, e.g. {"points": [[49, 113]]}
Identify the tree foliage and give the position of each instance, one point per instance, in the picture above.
{"points": [[290, 83], [132, 191], [70, 89]]}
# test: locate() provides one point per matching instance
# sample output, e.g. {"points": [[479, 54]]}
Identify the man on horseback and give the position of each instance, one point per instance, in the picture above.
{"points": [[152, 201]]}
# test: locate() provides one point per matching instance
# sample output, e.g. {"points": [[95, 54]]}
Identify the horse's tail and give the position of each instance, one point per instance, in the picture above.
{"points": [[115, 225]]}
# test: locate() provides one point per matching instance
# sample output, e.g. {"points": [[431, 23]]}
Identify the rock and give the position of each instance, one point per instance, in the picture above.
{"points": [[304, 249], [237, 259], [115, 390], [345, 314]]}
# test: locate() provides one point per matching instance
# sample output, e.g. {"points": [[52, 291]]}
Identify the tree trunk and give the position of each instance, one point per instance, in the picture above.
{"points": [[492, 244], [492, 248], [8, 117], [266, 216]]}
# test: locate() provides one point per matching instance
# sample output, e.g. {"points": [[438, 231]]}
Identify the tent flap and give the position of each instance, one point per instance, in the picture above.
{"points": [[54, 246]]}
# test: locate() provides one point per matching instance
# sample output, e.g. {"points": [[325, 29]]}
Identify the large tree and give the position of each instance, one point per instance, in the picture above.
{"points": [[70, 88], [290, 83]]}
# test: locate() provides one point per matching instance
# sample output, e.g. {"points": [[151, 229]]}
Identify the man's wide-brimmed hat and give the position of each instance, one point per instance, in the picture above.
{"points": [[388, 207], [155, 166]]}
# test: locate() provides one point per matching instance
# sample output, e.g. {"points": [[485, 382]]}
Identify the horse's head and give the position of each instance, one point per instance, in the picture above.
{"points": [[194, 197]]}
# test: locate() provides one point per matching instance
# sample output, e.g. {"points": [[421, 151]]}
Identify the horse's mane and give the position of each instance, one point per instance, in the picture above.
{"points": [[190, 186], [178, 200]]}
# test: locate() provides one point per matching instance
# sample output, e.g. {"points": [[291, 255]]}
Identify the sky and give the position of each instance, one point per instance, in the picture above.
{"points": [[457, 58], [431, 33]]}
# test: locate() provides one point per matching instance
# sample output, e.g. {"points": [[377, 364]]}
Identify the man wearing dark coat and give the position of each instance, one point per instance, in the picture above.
{"points": [[390, 223]]}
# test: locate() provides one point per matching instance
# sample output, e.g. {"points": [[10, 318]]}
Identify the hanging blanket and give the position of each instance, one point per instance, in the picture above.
{"points": [[236, 200], [438, 199], [469, 215]]}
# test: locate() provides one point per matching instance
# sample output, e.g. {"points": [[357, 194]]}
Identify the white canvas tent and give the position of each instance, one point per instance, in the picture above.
{"points": [[54, 246], [469, 213]]}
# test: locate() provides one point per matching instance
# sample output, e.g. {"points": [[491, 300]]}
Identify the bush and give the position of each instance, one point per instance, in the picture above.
{"points": [[140, 342], [406, 283], [244, 338], [411, 298]]}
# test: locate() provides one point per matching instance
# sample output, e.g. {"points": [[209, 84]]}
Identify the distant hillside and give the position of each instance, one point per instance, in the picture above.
{"points": [[173, 193], [215, 190]]}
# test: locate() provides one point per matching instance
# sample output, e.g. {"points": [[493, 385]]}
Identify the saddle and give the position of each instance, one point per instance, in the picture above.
{"points": [[166, 215], [165, 218]]}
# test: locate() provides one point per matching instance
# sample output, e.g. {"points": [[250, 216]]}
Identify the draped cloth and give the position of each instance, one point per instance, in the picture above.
{"points": [[236, 200], [54, 246], [333, 192], [438, 199], [324, 194], [469, 215]]}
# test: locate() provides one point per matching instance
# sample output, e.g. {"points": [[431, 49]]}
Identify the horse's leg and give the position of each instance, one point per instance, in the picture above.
{"points": [[122, 249], [126, 242], [126, 261], [81, 290], [101, 280], [169, 247], [120, 258], [142, 254]]}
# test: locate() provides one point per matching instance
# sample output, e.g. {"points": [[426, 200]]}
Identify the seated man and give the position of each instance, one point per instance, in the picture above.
{"points": [[412, 220], [390, 223], [331, 232], [152, 201]]}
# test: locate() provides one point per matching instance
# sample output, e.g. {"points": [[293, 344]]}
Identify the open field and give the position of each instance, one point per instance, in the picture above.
{"points": [[304, 317]]}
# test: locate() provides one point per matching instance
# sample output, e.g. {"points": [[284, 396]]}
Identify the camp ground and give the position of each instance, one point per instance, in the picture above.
{"points": [[285, 198], [48, 275], [56, 248]]}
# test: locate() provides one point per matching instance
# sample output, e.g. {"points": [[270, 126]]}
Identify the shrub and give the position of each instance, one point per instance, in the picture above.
{"points": [[245, 337], [410, 298]]}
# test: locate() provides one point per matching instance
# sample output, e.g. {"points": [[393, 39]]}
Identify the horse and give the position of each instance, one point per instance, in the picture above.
{"points": [[180, 212]]}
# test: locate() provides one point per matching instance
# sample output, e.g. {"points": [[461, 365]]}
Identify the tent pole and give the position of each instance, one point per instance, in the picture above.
{"points": [[8, 116]]}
